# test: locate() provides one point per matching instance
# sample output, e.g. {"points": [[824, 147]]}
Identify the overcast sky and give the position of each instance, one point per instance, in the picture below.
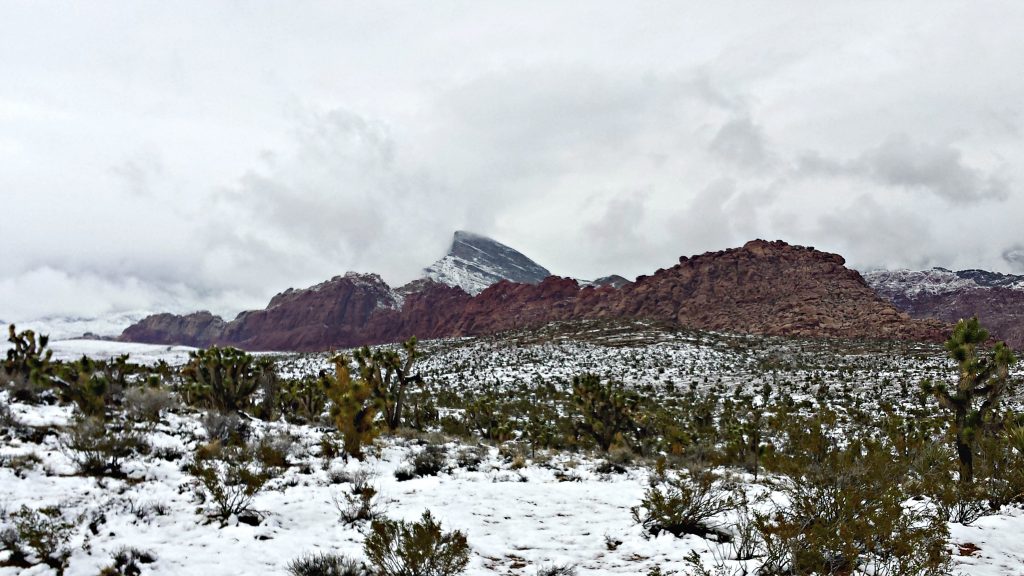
{"points": [[182, 155]]}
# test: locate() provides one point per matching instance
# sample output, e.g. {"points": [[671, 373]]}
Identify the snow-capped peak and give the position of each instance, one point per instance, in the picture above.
{"points": [[474, 262]]}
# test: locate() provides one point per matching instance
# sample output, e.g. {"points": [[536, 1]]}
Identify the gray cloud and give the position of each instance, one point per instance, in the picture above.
{"points": [[901, 162], [1014, 256], [871, 235], [144, 171], [742, 143]]}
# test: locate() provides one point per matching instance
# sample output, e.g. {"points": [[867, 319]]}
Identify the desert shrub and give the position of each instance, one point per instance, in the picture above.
{"points": [[223, 378], [605, 412], [557, 570], [147, 403], [485, 415], [470, 458], [429, 461], [7, 419], [226, 428], [684, 505], [422, 411], [99, 449], [128, 561], [396, 548], [359, 503], [43, 533], [848, 516], [20, 464], [272, 450], [326, 565], [228, 479], [1000, 467]]}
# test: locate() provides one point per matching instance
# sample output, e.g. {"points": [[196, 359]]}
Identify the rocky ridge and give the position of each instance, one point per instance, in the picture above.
{"points": [[940, 294], [769, 288]]}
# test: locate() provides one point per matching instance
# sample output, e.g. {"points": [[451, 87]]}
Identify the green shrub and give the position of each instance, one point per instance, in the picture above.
{"points": [[128, 561], [43, 533], [86, 387], [470, 458], [684, 505], [396, 548], [326, 565], [359, 503], [429, 461], [848, 516], [354, 408], [147, 403], [229, 478], [99, 449]]}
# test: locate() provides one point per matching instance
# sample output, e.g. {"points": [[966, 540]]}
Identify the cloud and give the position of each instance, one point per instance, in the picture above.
{"points": [[902, 162], [742, 143], [871, 235], [140, 172], [1014, 256], [215, 172]]}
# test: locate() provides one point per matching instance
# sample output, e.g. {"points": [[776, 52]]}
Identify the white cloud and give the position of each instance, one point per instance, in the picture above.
{"points": [[210, 154]]}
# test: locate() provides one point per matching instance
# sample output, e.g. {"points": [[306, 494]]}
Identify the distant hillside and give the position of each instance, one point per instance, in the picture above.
{"points": [[762, 288], [996, 299]]}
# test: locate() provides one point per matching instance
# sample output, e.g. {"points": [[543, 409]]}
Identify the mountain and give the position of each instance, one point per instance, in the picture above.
{"points": [[763, 287], [615, 281], [475, 262], [996, 299]]}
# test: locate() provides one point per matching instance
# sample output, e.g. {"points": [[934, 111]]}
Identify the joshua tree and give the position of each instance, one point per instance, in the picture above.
{"points": [[983, 379], [606, 410], [28, 360], [224, 378], [378, 388], [388, 377]]}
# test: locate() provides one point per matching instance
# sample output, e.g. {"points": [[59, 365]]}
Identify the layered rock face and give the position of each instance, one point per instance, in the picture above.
{"points": [[762, 288], [996, 299]]}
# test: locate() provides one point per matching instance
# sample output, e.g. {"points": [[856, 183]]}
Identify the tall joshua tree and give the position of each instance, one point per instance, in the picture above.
{"points": [[983, 379]]}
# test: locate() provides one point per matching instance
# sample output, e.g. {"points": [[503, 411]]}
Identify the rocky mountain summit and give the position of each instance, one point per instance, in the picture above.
{"points": [[763, 287], [996, 299], [475, 262]]}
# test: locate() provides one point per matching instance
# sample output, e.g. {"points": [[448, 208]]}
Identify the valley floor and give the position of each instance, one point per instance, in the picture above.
{"points": [[551, 509]]}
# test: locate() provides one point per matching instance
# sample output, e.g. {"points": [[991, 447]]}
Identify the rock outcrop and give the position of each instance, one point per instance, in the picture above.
{"points": [[769, 288], [196, 329]]}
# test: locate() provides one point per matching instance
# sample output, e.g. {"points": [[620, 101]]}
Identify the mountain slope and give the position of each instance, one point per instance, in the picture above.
{"points": [[996, 299], [475, 262], [762, 288]]}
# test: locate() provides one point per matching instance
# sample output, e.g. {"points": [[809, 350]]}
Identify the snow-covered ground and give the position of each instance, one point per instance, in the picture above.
{"points": [[517, 519]]}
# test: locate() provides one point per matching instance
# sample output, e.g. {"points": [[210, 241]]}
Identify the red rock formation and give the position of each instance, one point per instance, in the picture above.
{"points": [[196, 329], [762, 288]]}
